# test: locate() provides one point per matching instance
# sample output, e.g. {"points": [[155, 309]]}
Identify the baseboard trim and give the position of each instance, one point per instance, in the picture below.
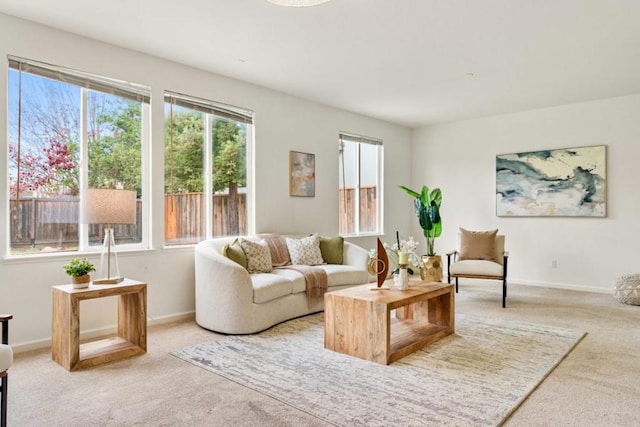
{"points": [[554, 285], [565, 286], [101, 332]]}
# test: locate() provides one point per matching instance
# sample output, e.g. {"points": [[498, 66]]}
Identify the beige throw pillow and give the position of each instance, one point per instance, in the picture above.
{"points": [[305, 251], [258, 256], [478, 244]]}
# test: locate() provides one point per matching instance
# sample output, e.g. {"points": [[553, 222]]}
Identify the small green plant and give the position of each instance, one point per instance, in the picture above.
{"points": [[78, 267]]}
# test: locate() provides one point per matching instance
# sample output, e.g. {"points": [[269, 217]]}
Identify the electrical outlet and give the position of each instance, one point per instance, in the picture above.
{"points": [[554, 264]]}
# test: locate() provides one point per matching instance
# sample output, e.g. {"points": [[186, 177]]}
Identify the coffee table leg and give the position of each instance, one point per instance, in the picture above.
{"points": [[377, 336]]}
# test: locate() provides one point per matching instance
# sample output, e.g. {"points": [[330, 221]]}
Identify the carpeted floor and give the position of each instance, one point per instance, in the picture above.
{"points": [[596, 384]]}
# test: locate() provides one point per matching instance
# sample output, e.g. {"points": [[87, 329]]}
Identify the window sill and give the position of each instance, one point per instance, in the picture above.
{"points": [[179, 248], [25, 259], [352, 236]]}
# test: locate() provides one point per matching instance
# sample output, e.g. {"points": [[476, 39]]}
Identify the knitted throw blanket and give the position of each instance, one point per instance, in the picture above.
{"points": [[278, 248], [315, 279]]}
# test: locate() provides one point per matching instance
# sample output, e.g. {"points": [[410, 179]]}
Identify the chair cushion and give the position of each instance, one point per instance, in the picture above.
{"points": [[480, 245], [6, 357], [477, 268]]}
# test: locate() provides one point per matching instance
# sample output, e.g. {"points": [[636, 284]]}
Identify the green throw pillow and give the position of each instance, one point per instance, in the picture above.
{"points": [[235, 253], [331, 249]]}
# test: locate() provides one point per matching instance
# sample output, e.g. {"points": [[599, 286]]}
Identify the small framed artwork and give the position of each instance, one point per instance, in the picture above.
{"points": [[302, 174]]}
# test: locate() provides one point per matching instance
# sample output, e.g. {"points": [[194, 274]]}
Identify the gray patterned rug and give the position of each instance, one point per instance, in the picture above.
{"points": [[476, 377]]}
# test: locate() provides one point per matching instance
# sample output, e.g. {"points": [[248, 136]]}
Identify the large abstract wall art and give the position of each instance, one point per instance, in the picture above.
{"points": [[564, 182]]}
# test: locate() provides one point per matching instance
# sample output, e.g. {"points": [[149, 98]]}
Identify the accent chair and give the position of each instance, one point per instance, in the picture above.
{"points": [[480, 255]]}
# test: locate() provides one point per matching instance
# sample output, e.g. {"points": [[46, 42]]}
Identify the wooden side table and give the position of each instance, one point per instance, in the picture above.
{"points": [[131, 338]]}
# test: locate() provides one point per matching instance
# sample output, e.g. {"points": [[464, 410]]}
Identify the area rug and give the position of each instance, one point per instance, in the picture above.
{"points": [[478, 376]]}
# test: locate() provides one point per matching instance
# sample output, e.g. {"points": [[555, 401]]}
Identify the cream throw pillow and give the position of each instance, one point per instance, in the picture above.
{"points": [[258, 256], [305, 251], [478, 244]]}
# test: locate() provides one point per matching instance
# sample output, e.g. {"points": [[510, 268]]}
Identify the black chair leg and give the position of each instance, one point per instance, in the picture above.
{"points": [[456, 285], [504, 293], [3, 402]]}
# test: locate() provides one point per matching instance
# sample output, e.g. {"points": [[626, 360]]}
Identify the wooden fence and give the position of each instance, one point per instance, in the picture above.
{"points": [[54, 221], [368, 209], [184, 217]]}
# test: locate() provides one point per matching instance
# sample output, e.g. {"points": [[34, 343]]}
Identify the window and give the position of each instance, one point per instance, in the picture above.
{"points": [[359, 184], [205, 169], [69, 131]]}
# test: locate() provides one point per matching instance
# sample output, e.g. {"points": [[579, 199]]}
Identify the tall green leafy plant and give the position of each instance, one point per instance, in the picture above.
{"points": [[427, 204]]}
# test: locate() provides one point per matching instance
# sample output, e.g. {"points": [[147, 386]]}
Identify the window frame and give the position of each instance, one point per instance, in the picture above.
{"points": [[358, 140], [212, 109], [86, 83]]}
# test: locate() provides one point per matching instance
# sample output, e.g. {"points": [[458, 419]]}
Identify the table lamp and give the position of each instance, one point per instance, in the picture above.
{"points": [[108, 207]]}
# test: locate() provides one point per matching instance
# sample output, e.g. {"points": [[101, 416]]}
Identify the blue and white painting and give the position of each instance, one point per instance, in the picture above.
{"points": [[564, 182]]}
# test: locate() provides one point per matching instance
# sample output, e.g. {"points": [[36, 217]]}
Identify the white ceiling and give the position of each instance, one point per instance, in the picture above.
{"points": [[412, 62]]}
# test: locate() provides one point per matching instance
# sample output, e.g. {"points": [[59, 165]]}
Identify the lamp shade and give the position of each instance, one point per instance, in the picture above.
{"points": [[106, 206]]}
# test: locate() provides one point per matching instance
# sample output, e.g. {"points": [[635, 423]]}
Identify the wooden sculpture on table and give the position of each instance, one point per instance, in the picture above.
{"points": [[379, 266]]}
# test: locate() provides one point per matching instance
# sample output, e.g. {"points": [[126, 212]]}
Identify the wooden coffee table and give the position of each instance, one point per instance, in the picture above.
{"points": [[357, 320]]}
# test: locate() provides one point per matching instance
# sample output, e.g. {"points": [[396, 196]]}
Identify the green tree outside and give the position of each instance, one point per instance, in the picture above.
{"points": [[184, 158], [115, 154], [229, 166]]}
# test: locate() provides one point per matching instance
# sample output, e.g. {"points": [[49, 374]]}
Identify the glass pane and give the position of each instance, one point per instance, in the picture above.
{"points": [[229, 180], [184, 204], [114, 130], [368, 188], [346, 187], [43, 167]]}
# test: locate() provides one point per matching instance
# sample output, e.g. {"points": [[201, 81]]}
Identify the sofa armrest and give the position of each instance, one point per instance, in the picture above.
{"points": [[224, 291]]}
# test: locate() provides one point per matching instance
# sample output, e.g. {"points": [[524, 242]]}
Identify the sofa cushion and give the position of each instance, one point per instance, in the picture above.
{"points": [[295, 277], [338, 275], [258, 256], [478, 245], [269, 286], [332, 249], [305, 251], [234, 252]]}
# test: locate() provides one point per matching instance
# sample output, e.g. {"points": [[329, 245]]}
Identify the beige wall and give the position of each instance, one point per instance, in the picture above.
{"points": [[282, 123], [590, 252]]}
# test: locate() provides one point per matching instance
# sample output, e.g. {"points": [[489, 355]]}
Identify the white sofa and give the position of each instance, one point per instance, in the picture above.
{"points": [[232, 301]]}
